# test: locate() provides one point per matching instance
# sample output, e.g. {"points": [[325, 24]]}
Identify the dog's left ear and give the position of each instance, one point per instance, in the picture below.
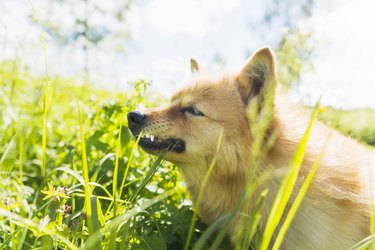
{"points": [[258, 76], [194, 66]]}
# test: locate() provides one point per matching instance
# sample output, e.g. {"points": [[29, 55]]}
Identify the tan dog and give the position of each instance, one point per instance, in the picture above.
{"points": [[335, 213]]}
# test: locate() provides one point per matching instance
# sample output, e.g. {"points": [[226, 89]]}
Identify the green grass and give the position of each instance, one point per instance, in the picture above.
{"points": [[357, 123], [93, 171], [45, 111], [73, 178]]}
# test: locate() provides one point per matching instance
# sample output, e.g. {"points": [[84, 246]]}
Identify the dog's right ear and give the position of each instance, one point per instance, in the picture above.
{"points": [[194, 66], [257, 77]]}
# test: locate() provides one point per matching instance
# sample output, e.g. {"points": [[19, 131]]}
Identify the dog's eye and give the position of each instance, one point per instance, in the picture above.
{"points": [[193, 111]]}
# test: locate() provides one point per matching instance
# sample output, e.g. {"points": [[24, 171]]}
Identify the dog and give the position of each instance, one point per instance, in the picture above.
{"points": [[335, 213]]}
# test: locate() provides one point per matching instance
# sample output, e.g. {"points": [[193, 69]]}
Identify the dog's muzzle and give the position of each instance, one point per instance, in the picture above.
{"points": [[137, 122]]}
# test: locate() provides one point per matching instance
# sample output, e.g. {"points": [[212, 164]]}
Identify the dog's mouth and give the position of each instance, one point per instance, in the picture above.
{"points": [[153, 143]]}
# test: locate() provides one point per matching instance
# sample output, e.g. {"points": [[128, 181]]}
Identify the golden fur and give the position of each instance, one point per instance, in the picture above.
{"points": [[335, 211]]}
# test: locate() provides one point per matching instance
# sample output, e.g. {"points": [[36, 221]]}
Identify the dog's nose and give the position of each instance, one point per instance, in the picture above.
{"points": [[135, 117]]}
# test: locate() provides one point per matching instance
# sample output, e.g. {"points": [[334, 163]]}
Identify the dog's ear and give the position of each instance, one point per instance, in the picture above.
{"points": [[258, 75], [194, 66]]}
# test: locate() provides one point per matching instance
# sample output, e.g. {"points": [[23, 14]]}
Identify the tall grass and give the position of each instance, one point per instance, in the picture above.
{"points": [[45, 110], [85, 170], [78, 169], [284, 193], [113, 235]]}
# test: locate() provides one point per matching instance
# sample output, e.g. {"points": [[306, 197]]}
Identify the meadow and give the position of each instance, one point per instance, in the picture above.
{"points": [[72, 177]]}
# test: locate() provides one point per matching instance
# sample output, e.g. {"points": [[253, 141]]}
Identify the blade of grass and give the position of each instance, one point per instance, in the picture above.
{"points": [[254, 220], [113, 235], [363, 244], [200, 244], [200, 193], [115, 172], [94, 221], [45, 109], [160, 234], [71, 172], [7, 150], [85, 171], [101, 216], [287, 185], [242, 232], [148, 177], [94, 184], [130, 159], [298, 200], [100, 197], [20, 159]]}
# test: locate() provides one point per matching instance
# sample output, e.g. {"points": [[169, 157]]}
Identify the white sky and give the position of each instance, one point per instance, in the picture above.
{"points": [[219, 33], [345, 62]]}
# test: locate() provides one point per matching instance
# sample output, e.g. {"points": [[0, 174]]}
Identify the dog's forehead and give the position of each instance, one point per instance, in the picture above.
{"points": [[184, 98], [203, 89]]}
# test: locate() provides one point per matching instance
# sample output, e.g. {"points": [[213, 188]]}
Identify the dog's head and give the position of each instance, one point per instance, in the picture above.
{"points": [[188, 128]]}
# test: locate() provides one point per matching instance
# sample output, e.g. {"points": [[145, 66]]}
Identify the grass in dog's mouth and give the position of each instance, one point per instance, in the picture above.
{"points": [[153, 143]]}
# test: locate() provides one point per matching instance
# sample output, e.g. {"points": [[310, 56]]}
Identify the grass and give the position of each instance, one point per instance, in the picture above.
{"points": [[88, 156], [73, 178], [357, 123], [45, 111]]}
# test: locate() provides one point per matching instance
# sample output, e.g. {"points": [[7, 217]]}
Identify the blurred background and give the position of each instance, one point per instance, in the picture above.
{"points": [[324, 46]]}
